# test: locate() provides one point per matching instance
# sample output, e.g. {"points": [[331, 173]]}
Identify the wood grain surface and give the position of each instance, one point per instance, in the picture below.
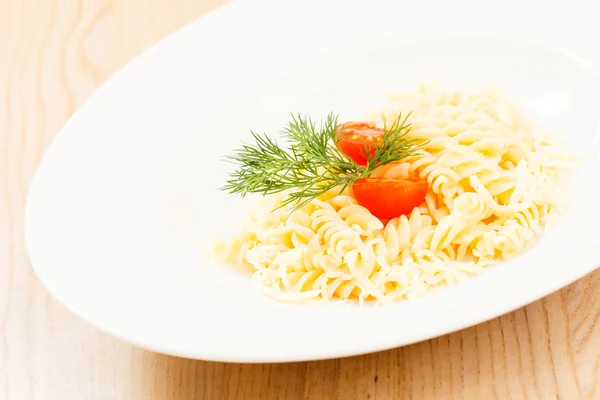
{"points": [[53, 54]]}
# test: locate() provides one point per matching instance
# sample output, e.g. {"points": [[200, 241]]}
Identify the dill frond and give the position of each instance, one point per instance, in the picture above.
{"points": [[313, 164]]}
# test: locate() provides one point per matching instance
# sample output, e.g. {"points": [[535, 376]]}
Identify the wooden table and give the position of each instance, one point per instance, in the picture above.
{"points": [[53, 54]]}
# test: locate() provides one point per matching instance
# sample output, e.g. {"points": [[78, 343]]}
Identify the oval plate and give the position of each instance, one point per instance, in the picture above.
{"points": [[126, 199]]}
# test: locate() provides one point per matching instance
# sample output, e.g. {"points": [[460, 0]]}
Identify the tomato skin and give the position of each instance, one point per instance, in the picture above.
{"points": [[357, 138], [384, 198], [389, 198]]}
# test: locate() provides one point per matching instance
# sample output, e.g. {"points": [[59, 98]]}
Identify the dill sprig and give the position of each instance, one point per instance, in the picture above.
{"points": [[313, 164]]}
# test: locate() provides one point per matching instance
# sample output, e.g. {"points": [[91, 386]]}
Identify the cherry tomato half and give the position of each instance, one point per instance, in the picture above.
{"points": [[389, 198], [357, 139]]}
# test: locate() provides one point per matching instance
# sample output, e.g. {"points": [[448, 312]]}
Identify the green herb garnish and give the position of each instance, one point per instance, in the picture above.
{"points": [[313, 164]]}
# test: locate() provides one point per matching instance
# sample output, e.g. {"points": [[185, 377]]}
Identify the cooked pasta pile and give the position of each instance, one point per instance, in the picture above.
{"points": [[494, 183]]}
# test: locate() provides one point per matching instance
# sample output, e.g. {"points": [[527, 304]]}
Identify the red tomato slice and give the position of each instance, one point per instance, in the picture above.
{"points": [[389, 198], [358, 138]]}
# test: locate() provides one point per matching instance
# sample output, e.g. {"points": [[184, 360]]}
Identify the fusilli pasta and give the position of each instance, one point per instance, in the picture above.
{"points": [[494, 185]]}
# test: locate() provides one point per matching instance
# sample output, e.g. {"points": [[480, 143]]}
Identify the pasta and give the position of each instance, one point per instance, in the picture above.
{"points": [[494, 182]]}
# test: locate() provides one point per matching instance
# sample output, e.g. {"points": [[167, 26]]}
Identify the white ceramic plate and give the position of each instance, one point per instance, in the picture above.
{"points": [[126, 200]]}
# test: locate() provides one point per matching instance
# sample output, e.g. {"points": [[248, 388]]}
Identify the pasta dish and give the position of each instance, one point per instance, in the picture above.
{"points": [[434, 187]]}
